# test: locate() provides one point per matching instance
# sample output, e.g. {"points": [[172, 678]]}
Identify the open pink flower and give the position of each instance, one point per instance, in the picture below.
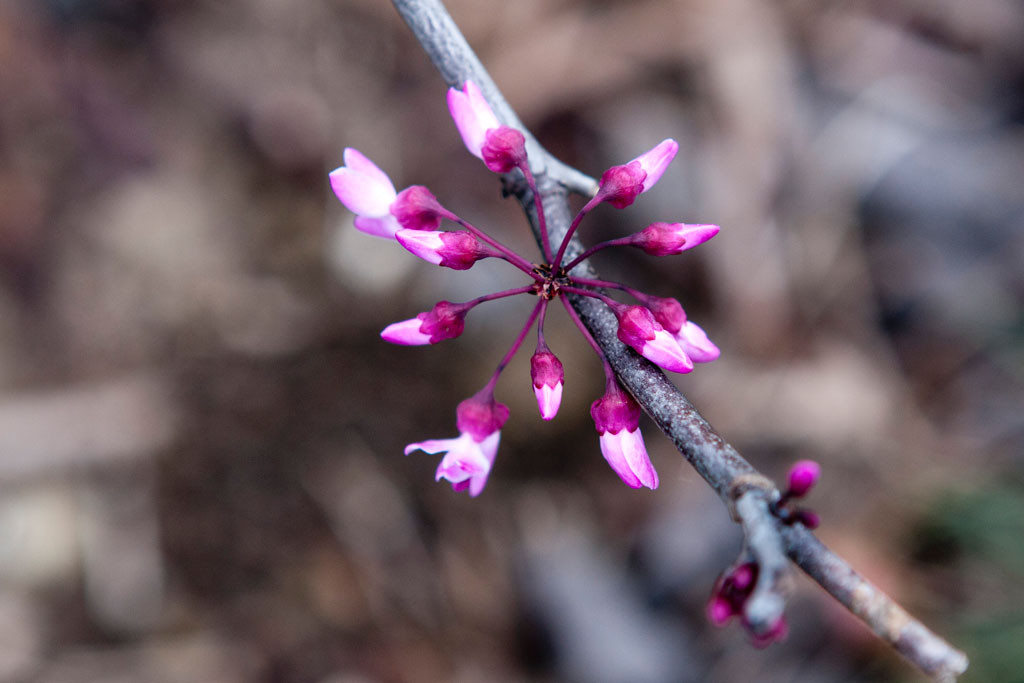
{"points": [[366, 191], [617, 418], [466, 463], [469, 456]]}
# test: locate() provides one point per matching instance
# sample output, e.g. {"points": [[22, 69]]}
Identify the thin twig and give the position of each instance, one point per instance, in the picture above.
{"points": [[745, 491]]}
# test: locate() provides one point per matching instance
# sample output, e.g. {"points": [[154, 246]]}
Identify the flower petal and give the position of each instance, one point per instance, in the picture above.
{"points": [[656, 160], [406, 333], [635, 453], [472, 115], [611, 449], [362, 194], [665, 351], [549, 398], [426, 244], [385, 226], [695, 343], [359, 163]]}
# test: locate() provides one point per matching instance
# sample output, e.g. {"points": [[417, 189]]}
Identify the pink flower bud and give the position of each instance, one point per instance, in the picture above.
{"points": [[667, 311], [742, 578], [808, 518], [548, 378], [444, 321], [719, 611], [457, 250], [366, 191], [416, 208], [504, 149], [664, 239], [617, 419], [802, 477], [472, 115], [639, 330], [620, 185]]}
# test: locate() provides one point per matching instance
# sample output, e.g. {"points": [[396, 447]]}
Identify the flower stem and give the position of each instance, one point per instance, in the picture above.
{"points": [[516, 344], [541, 223], [609, 373], [572, 228], [622, 241], [525, 289]]}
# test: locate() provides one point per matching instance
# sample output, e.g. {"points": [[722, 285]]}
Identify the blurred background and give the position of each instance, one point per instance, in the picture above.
{"points": [[201, 433]]}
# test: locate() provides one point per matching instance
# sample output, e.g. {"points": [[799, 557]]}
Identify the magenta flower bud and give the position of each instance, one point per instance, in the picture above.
{"points": [[444, 321], [472, 115], [667, 311], [695, 343], [808, 518], [416, 208], [504, 149], [457, 250], [742, 578], [548, 378], [617, 419], [620, 185], [802, 477], [366, 191], [639, 330], [720, 611], [665, 239]]}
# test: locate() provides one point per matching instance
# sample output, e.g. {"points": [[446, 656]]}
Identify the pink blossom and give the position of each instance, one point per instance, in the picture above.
{"points": [[639, 330], [469, 457], [457, 249], [617, 419], [367, 192], [548, 379], [444, 321], [472, 115], [665, 239], [466, 463]]}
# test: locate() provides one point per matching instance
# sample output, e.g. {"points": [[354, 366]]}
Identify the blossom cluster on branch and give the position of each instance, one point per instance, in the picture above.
{"points": [[655, 327]]}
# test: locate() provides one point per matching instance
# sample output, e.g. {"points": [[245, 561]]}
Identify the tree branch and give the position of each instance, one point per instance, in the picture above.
{"points": [[745, 491]]}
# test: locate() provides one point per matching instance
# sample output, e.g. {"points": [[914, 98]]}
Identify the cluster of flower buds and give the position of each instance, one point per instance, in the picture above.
{"points": [[655, 327], [729, 598]]}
